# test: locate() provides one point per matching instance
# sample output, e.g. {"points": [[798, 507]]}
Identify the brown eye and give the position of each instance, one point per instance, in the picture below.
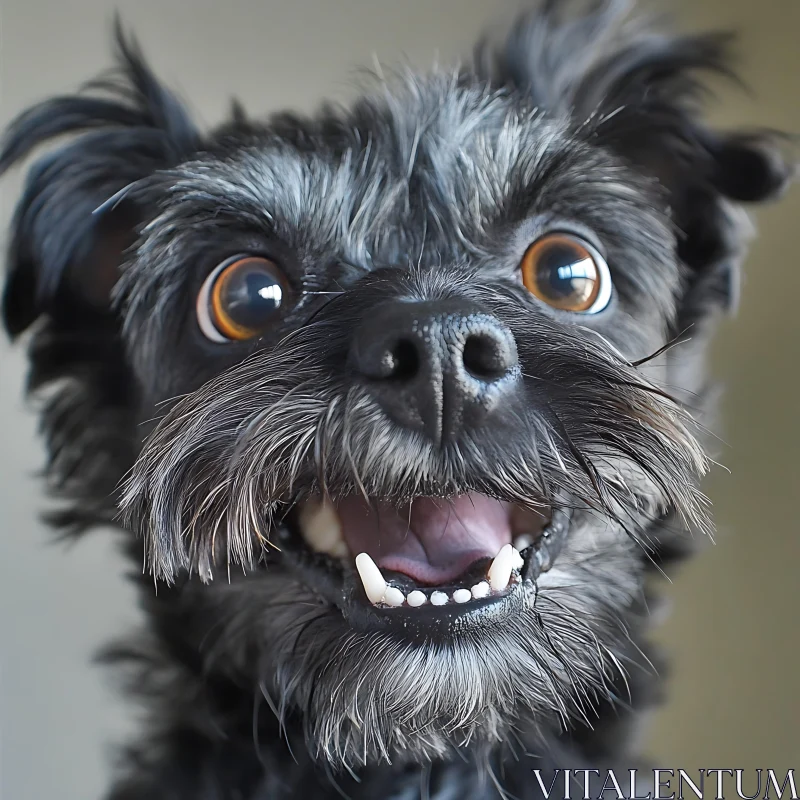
{"points": [[567, 273], [241, 299]]}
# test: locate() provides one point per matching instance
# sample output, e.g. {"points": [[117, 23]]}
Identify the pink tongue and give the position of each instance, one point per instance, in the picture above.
{"points": [[433, 541]]}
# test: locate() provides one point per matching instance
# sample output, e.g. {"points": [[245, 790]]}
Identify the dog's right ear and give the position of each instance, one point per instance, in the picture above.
{"points": [[63, 258]]}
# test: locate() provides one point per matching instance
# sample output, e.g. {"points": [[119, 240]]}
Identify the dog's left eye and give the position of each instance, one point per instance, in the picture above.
{"points": [[241, 298], [567, 273]]}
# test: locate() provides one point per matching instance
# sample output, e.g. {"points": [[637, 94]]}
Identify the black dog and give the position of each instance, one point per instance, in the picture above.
{"points": [[408, 457]]}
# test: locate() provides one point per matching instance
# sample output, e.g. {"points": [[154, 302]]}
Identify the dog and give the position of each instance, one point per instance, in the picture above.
{"points": [[398, 404]]}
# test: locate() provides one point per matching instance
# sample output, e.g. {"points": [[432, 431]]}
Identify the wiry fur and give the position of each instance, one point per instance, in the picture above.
{"points": [[431, 187]]}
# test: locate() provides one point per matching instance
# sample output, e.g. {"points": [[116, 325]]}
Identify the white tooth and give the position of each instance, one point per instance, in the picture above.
{"points": [[480, 590], [393, 596], [500, 569], [517, 561], [416, 599], [462, 595], [340, 550], [522, 541], [438, 598], [374, 584], [320, 526]]}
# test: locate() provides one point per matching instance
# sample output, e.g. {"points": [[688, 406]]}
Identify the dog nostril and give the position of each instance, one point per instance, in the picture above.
{"points": [[404, 360], [485, 357]]}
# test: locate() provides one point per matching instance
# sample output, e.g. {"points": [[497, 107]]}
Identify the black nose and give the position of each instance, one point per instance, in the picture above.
{"points": [[437, 367]]}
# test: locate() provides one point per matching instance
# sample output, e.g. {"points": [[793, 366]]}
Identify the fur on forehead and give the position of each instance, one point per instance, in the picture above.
{"points": [[472, 157]]}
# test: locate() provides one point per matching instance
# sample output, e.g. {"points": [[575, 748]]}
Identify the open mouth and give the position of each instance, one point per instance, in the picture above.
{"points": [[450, 554]]}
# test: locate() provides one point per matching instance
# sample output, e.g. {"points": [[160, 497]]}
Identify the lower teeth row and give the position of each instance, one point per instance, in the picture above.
{"points": [[503, 571], [394, 597]]}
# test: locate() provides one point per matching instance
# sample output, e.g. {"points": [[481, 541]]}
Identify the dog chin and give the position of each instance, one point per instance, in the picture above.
{"points": [[382, 682]]}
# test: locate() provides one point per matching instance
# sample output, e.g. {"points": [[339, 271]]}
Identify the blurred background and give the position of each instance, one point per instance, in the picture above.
{"points": [[734, 688]]}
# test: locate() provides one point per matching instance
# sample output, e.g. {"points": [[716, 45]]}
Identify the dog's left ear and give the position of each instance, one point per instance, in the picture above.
{"points": [[638, 94]]}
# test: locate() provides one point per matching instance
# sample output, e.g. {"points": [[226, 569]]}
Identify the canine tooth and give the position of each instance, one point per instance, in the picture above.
{"points": [[438, 598], [501, 568], [320, 526], [522, 541], [416, 598], [393, 596], [371, 578], [339, 550], [481, 590], [462, 595], [517, 561]]}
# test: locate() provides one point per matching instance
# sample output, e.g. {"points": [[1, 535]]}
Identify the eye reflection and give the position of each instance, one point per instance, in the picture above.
{"points": [[241, 299], [566, 273]]}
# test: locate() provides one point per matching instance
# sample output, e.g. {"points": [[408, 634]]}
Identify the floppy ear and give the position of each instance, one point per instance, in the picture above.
{"points": [[63, 260], [637, 93]]}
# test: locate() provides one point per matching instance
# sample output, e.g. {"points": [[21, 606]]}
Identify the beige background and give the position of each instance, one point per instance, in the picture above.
{"points": [[733, 635]]}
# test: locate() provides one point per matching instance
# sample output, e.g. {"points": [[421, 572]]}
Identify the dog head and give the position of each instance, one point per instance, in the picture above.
{"points": [[380, 382]]}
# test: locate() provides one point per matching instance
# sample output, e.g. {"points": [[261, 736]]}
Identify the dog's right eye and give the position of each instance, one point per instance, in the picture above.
{"points": [[241, 299]]}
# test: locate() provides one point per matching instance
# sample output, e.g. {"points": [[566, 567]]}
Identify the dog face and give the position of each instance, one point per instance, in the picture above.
{"points": [[409, 456]]}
